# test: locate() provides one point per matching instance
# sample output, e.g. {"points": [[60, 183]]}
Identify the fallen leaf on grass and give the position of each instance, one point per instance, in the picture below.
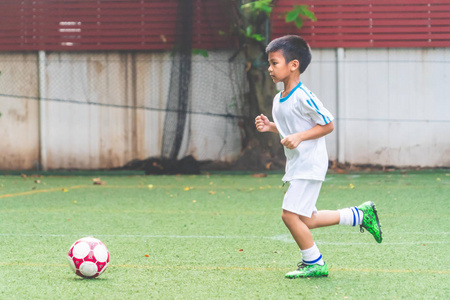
{"points": [[259, 175], [98, 181]]}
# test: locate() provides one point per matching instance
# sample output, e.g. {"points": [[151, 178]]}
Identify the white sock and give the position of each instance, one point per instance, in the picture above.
{"points": [[350, 216], [312, 256]]}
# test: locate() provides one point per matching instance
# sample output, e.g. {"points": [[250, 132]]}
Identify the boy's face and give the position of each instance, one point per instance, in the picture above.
{"points": [[279, 70]]}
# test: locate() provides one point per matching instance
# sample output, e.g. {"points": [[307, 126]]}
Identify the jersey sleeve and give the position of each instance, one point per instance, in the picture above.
{"points": [[314, 108]]}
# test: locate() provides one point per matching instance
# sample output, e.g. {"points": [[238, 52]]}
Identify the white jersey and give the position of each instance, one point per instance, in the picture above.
{"points": [[299, 111]]}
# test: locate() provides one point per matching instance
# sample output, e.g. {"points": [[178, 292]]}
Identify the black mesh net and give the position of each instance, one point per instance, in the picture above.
{"points": [[180, 83]]}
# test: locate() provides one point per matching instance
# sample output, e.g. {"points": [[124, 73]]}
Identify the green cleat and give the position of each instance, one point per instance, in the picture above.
{"points": [[370, 220], [304, 271]]}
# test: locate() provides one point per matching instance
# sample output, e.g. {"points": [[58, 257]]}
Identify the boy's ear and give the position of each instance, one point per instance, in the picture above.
{"points": [[295, 64]]}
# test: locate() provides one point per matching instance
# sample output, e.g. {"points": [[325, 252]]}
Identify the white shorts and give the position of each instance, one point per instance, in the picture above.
{"points": [[301, 196]]}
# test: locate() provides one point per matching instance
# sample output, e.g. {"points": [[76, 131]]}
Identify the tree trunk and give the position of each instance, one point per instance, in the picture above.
{"points": [[260, 151]]}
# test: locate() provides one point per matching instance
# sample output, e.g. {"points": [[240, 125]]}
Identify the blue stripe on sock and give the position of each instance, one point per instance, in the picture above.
{"points": [[359, 221], [354, 217], [312, 261]]}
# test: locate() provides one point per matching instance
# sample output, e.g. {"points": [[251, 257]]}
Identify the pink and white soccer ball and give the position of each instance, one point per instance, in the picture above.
{"points": [[88, 257]]}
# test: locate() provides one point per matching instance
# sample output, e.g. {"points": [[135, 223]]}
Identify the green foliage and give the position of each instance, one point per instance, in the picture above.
{"points": [[201, 52], [254, 14], [297, 14], [248, 33], [258, 6]]}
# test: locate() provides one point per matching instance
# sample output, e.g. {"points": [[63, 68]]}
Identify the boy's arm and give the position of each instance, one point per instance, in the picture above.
{"points": [[292, 141], [263, 124]]}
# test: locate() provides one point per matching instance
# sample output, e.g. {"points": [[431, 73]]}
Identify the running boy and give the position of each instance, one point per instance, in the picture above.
{"points": [[302, 122]]}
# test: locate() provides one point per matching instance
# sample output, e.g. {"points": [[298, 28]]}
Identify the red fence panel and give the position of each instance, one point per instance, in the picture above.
{"points": [[151, 24], [369, 23], [106, 25]]}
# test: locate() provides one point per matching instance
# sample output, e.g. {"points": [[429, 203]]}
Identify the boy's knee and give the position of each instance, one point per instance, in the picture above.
{"points": [[288, 216], [310, 222]]}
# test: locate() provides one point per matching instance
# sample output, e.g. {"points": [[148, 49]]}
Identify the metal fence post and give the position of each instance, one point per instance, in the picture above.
{"points": [[42, 110], [340, 105]]}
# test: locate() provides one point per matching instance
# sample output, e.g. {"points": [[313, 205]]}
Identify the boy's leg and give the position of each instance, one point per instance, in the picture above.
{"points": [[312, 263], [322, 218], [365, 216], [299, 230]]}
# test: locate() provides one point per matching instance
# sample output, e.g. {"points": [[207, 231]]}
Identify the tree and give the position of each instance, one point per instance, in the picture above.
{"points": [[251, 27]]}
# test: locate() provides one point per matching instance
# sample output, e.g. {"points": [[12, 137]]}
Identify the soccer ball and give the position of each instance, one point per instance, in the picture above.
{"points": [[88, 257]]}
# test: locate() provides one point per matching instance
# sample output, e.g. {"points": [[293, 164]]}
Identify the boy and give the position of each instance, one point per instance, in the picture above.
{"points": [[302, 123]]}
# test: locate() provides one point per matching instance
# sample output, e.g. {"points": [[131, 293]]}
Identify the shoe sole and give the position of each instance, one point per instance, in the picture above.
{"points": [[295, 277], [307, 277], [378, 221]]}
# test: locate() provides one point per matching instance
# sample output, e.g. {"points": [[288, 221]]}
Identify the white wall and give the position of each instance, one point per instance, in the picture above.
{"points": [[19, 120], [391, 107], [394, 105], [87, 136]]}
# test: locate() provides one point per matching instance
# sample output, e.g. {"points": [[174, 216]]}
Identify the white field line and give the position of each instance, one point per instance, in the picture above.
{"points": [[286, 238], [230, 268]]}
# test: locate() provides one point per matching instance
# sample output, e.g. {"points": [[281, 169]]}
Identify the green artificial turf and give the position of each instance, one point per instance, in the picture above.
{"points": [[221, 236]]}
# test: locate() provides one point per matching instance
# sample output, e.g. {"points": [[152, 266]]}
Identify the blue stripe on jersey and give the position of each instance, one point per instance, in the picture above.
{"points": [[290, 93], [326, 119], [318, 112], [313, 261], [315, 105]]}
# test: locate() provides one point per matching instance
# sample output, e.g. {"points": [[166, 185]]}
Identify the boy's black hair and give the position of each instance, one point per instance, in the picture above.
{"points": [[292, 47]]}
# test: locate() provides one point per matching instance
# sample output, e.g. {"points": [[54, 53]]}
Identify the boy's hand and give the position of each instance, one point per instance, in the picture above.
{"points": [[292, 141], [262, 123]]}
